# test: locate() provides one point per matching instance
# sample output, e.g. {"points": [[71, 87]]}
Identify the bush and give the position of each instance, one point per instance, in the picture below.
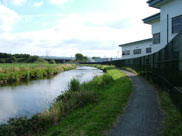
{"points": [[52, 61], [74, 85], [104, 81]]}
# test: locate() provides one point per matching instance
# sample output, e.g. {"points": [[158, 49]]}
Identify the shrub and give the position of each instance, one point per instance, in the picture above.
{"points": [[74, 85], [52, 61]]}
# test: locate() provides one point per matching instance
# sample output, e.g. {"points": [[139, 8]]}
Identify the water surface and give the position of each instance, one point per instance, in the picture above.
{"points": [[36, 96]]}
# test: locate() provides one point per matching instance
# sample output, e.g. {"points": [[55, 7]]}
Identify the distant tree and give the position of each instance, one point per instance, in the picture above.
{"points": [[95, 57], [2, 60], [79, 57], [52, 61], [85, 58]]}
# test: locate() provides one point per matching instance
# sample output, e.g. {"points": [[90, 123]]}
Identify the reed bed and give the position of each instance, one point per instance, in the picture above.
{"points": [[10, 73]]}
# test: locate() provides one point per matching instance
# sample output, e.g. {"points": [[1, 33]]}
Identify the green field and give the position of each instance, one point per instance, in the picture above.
{"points": [[10, 73]]}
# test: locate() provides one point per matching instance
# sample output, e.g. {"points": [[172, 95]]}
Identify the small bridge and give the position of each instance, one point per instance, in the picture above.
{"points": [[57, 59]]}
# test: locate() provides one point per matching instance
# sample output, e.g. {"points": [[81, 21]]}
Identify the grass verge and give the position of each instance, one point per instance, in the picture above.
{"points": [[111, 92], [172, 119]]}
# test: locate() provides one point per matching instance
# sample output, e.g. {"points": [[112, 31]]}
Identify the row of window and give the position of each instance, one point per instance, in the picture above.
{"points": [[137, 51], [176, 27]]}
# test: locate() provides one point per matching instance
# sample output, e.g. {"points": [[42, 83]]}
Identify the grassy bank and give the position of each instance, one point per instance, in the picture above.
{"points": [[10, 73], [110, 94], [85, 109], [172, 119]]}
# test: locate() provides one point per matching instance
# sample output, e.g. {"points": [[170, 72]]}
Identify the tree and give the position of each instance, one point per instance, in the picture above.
{"points": [[79, 57], [52, 61], [95, 57]]}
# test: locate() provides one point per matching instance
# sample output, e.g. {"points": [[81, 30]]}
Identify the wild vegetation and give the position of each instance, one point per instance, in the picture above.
{"points": [[10, 73], [20, 58], [84, 109], [172, 119]]}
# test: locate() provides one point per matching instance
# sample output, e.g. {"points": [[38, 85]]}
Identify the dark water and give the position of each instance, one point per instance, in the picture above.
{"points": [[36, 96]]}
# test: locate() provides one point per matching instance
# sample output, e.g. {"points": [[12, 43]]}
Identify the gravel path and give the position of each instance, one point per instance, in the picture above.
{"points": [[142, 116]]}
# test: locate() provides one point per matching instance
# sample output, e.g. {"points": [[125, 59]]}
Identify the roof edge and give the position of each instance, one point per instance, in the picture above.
{"points": [[131, 43], [152, 18], [155, 3]]}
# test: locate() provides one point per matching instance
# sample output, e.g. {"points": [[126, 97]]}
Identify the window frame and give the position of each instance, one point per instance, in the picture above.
{"points": [[156, 38], [137, 51], [126, 52], [148, 50], [174, 29]]}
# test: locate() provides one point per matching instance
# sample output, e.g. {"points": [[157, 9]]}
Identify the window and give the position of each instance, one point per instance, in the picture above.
{"points": [[148, 50], [126, 52], [156, 38], [137, 51], [177, 24]]}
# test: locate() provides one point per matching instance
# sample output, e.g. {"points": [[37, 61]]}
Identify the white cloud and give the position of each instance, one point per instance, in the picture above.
{"points": [[38, 4], [60, 2], [15, 2], [7, 19], [93, 34]]}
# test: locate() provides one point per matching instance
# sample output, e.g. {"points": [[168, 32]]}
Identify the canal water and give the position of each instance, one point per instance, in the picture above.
{"points": [[36, 96]]}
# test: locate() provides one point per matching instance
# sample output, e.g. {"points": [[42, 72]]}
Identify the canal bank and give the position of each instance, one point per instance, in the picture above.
{"points": [[90, 110], [35, 96]]}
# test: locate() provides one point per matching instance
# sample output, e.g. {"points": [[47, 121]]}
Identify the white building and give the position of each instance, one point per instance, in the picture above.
{"points": [[165, 26]]}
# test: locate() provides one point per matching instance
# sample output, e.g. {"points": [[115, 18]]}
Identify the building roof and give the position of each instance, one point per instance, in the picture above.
{"points": [[156, 3], [136, 42], [152, 18]]}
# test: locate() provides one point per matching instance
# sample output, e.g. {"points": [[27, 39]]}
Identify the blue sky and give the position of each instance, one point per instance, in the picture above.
{"points": [[66, 27]]}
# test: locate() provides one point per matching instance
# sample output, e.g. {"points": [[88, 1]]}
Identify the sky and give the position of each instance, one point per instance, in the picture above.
{"points": [[67, 27]]}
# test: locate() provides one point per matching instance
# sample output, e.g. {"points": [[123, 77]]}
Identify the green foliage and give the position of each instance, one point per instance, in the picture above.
{"points": [[172, 119], [20, 58], [10, 73], [52, 61], [80, 58], [74, 85]]}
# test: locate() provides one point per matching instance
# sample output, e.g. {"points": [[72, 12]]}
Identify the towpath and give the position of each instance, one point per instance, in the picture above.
{"points": [[142, 116]]}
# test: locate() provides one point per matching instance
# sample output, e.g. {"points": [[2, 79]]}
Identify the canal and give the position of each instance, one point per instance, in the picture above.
{"points": [[36, 96]]}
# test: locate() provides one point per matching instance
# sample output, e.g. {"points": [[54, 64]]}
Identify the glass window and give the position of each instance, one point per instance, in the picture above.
{"points": [[148, 50], [156, 38], [126, 52], [177, 24], [137, 51]]}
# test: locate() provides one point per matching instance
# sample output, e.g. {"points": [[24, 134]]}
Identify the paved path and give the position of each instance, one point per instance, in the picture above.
{"points": [[142, 116]]}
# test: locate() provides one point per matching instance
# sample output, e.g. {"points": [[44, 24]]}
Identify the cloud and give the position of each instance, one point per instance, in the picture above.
{"points": [[93, 33], [38, 4], [15, 2], [7, 19], [59, 2]]}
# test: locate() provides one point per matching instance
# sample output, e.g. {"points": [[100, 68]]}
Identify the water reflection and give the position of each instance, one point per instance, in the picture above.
{"points": [[36, 96]]}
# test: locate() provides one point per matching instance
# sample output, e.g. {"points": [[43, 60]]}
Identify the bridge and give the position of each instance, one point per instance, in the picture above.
{"points": [[57, 59]]}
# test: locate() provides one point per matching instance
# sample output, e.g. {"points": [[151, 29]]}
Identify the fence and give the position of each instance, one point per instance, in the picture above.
{"points": [[164, 67]]}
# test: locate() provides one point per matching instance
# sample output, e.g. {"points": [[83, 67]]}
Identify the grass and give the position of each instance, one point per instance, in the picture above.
{"points": [[10, 73], [110, 94], [85, 109], [172, 119]]}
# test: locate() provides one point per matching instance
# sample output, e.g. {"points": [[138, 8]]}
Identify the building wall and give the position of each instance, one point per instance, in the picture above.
{"points": [[156, 28], [132, 47], [173, 8]]}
